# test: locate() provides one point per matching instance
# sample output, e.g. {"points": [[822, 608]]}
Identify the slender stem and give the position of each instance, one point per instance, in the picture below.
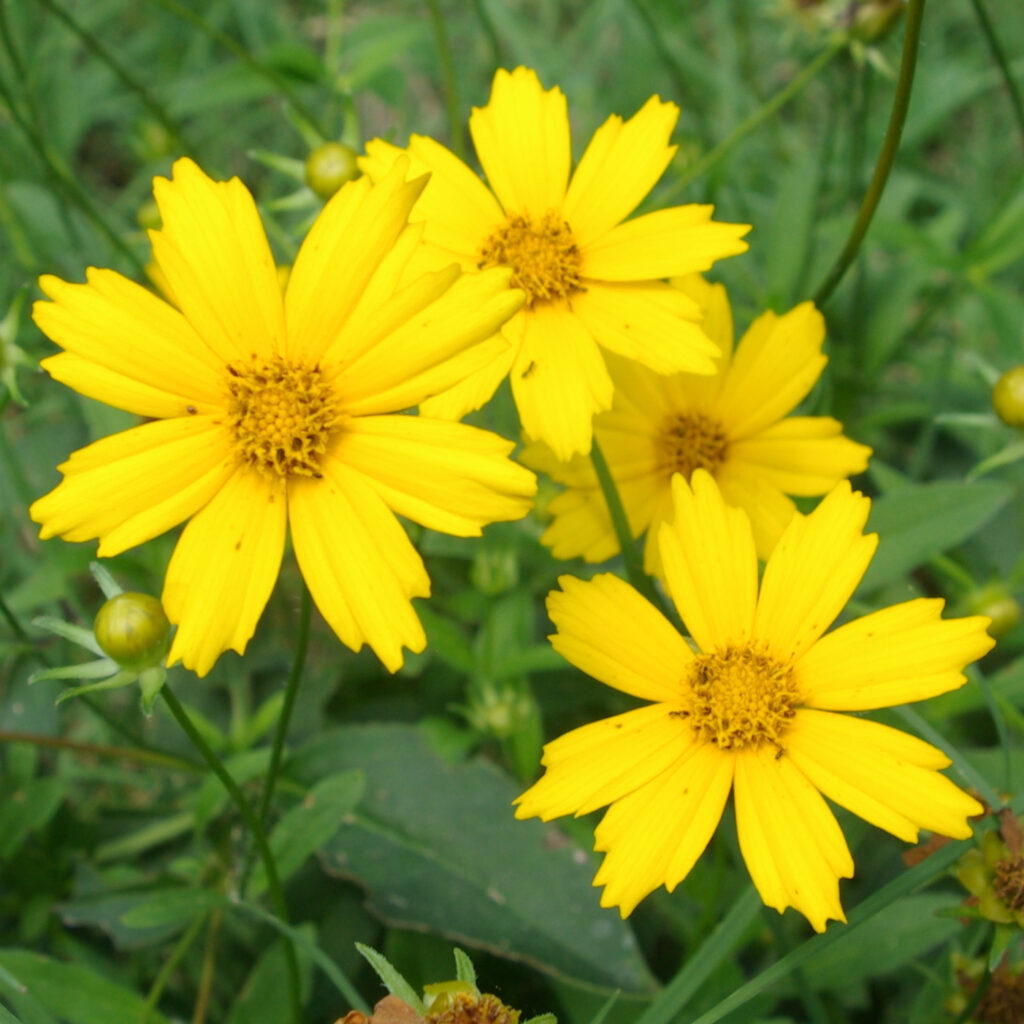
{"points": [[887, 155], [165, 972], [12, 620], [744, 128], [252, 823], [209, 962], [488, 29], [451, 88], [1004, 66], [998, 720], [142, 756], [290, 693], [976, 997]]}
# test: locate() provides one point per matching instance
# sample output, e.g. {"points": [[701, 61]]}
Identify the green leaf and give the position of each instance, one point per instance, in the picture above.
{"points": [[308, 826], [28, 808], [76, 634], [464, 969], [75, 993], [175, 906], [916, 523], [438, 848], [106, 582], [393, 980], [263, 998]]}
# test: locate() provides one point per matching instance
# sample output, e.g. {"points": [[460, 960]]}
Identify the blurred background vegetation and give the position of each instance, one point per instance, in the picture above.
{"points": [[118, 852]]}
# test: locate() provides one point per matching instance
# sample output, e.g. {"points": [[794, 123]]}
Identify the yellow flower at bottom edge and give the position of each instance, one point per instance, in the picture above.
{"points": [[752, 710], [734, 424], [591, 277], [277, 410]]}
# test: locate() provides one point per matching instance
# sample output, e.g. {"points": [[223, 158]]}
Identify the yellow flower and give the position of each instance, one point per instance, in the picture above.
{"points": [[734, 424], [274, 409], [591, 280], [752, 708]]}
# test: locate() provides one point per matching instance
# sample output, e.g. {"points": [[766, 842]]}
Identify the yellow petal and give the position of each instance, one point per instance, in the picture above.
{"points": [[649, 322], [223, 570], [678, 240], [215, 256], [135, 485], [710, 563], [522, 141], [559, 380], [769, 509], [445, 476], [414, 360], [654, 836], [494, 358], [894, 656], [804, 455], [459, 210], [601, 762], [358, 562], [606, 629], [790, 840], [621, 164], [121, 327], [880, 774], [714, 301], [815, 567], [346, 244], [773, 368]]}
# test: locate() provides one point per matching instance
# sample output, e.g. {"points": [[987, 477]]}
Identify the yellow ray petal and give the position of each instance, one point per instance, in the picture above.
{"points": [[678, 240], [655, 835], [815, 567], [223, 570], [790, 840], [215, 256], [559, 380], [714, 301], [710, 563], [522, 141], [346, 244], [768, 508], [606, 629], [621, 164], [804, 455], [121, 327], [648, 322], [445, 476], [894, 656], [135, 485], [773, 368], [881, 774], [494, 357], [601, 762], [414, 361], [459, 210], [358, 562], [577, 472]]}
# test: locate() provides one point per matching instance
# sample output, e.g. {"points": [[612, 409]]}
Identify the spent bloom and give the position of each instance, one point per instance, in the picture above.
{"points": [[735, 424], [274, 411], [752, 708], [591, 277]]}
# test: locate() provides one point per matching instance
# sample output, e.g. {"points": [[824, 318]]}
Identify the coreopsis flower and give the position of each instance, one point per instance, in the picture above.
{"points": [[752, 708], [274, 410], [591, 277], [735, 424]]}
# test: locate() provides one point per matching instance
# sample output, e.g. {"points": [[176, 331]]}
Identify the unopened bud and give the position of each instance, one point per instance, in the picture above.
{"points": [[330, 166], [133, 630]]}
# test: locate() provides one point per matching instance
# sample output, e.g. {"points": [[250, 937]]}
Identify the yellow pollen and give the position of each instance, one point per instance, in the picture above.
{"points": [[281, 416], [740, 697], [1009, 882], [690, 441], [544, 257]]}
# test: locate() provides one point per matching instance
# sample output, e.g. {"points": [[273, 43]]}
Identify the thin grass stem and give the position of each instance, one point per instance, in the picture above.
{"points": [[992, 38], [451, 88], [168, 967]]}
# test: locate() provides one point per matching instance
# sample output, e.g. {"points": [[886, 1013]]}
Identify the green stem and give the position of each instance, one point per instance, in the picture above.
{"points": [[290, 693], [887, 155], [165, 972], [451, 88], [1004, 67], [998, 720], [207, 971], [138, 754], [488, 29], [744, 128], [252, 823], [976, 998]]}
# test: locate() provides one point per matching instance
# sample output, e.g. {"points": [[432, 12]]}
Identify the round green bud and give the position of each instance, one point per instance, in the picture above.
{"points": [[148, 215], [996, 601], [1008, 397], [329, 166], [133, 630]]}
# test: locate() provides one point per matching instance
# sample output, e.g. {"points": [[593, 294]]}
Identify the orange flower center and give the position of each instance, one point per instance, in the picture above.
{"points": [[544, 257], [740, 697], [690, 441], [281, 416]]}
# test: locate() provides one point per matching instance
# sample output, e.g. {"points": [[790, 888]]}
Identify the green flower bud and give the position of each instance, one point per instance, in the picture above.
{"points": [[133, 630], [995, 600], [1008, 397], [329, 166]]}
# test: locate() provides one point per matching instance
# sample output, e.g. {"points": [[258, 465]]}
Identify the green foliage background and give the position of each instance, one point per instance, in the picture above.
{"points": [[120, 855]]}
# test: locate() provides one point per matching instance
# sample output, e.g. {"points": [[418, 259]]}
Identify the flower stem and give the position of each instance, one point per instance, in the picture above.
{"points": [[137, 754], [1000, 57], [887, 155], [756, 119], [209, 962], [252, 823], [451, 89], [165, 972]]}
